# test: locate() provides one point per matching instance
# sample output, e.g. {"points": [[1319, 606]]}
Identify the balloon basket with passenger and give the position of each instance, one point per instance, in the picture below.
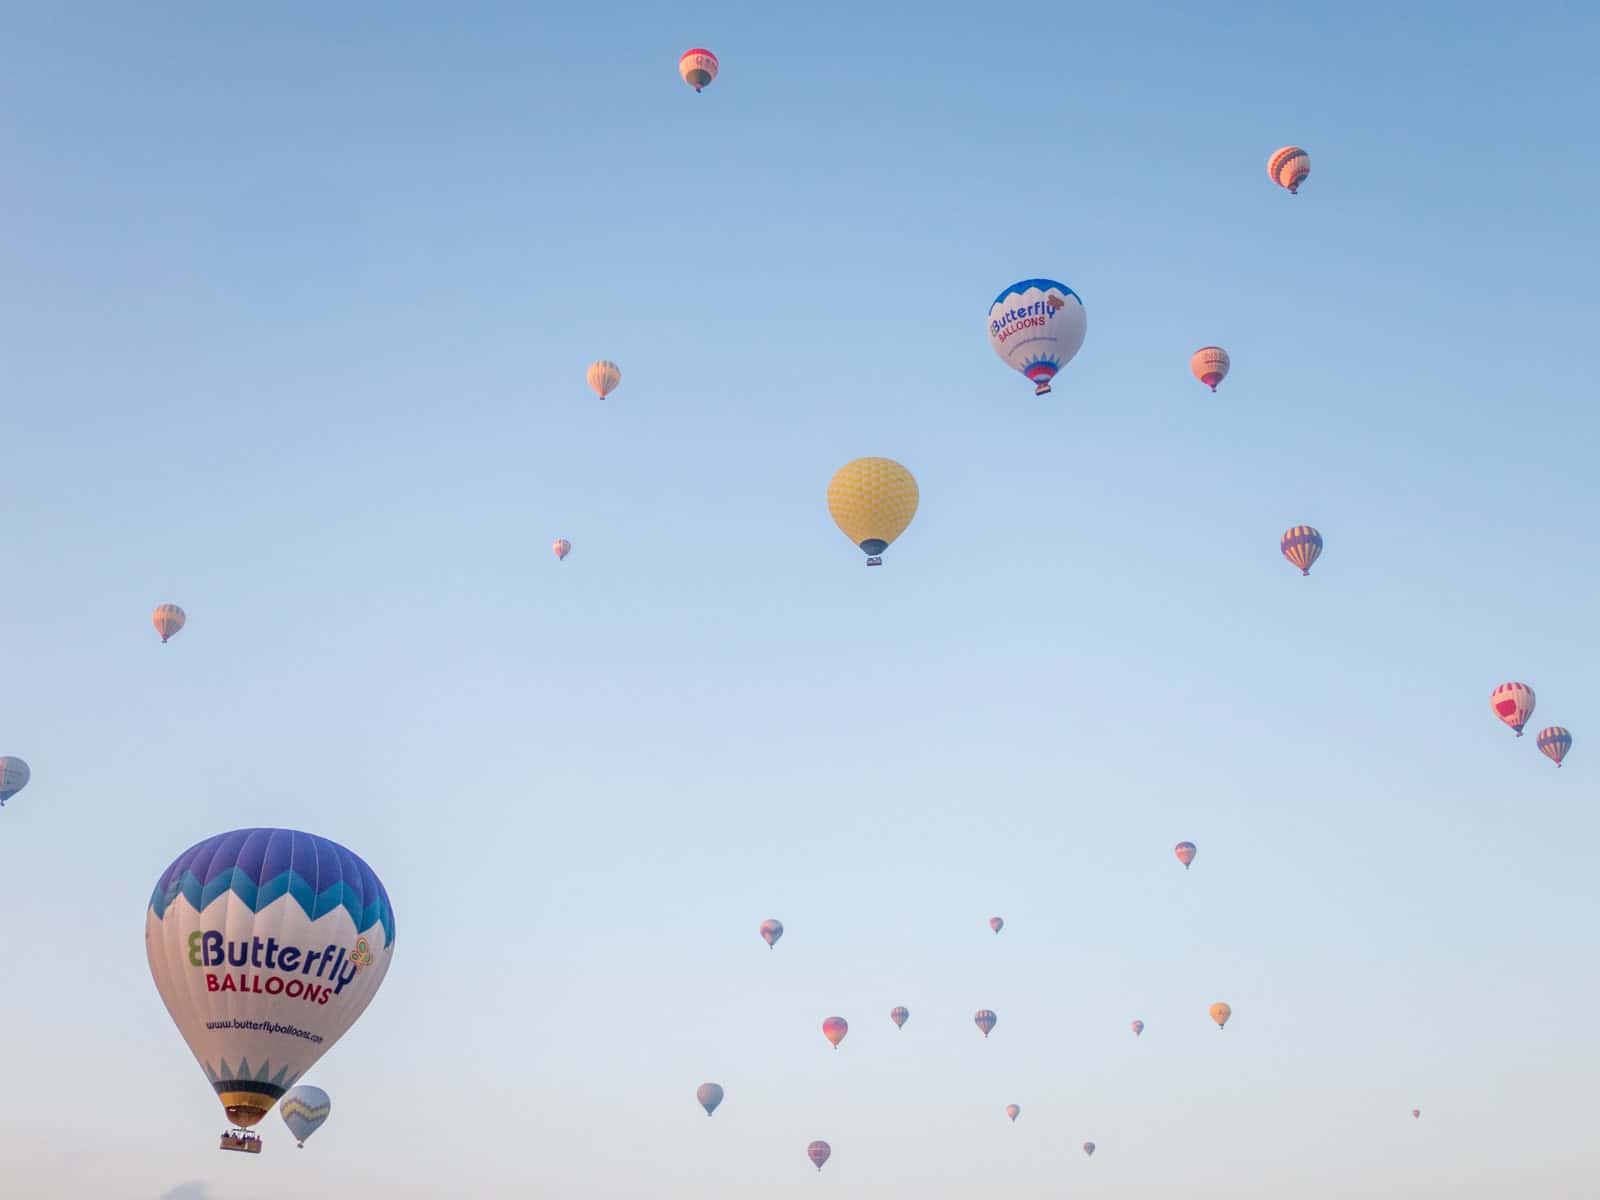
{"points": [[241, 1140]]}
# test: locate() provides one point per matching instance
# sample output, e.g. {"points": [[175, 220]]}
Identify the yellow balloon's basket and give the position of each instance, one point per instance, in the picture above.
{"points": [[241, 1140]]}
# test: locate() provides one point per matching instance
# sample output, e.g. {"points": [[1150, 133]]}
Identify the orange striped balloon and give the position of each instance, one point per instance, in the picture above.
{"points": [[1289, 168]]}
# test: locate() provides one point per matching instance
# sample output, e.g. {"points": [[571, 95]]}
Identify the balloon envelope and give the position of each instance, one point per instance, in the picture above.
{"points": [[709, 1095], [304, 1109], [1220, 1013], [1416, 1112], [698, 67], [561, 547], [1289, 167], [604, 376], [771, 931], [14, 776], [266, 945], [1013, 1111], [1088, 1148], [834, 1029], [1513, 703], [997, 923], [1138, 1028], [872, 500], [1302, 546], [984, 1020], [1036, 326], [1209, 365], [819, 1153], [1185, 852], [900, 1016], [168, 619], [1554, 742]]}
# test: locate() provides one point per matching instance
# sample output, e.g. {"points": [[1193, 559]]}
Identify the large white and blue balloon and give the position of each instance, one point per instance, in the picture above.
{"points": [[266, 945], [1036, 326]]}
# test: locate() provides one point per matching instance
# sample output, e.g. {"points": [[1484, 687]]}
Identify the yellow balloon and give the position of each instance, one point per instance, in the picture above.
{"points": [[872, 500], [1220, 1013]]}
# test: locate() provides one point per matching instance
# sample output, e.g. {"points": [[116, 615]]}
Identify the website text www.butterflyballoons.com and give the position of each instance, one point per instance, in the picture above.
{"points": [[266, 1027]]}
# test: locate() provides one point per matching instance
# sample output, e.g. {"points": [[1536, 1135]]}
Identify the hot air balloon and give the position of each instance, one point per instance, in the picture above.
{"points": [[1036, 326], [604, 376], [1289, 167], [1210, 365], [997, 923], [1301, 545], [872, 500], [1220, 1013], [168, 619], [899, 1016], [266, 945], [698, 67], [561, 548], [304, 1109], [819, 1153], [1138, 1028], [1088, 1148], [1554, 742], [984, 1020], [771, 931], [14, 776], [1513, 704], [1415, 1113], [1185, 852], [1013, 1111], [834, 1029], [709, 1095]]}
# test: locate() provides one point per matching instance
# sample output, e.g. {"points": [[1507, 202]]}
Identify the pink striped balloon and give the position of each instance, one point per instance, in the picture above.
{"points": [[899, 1016], [1513, 704], [984, 1020], [819, 1153], [997, 923]]}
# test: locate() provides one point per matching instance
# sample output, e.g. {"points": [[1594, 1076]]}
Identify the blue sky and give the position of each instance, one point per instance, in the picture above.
{"points": [[294, 315]]}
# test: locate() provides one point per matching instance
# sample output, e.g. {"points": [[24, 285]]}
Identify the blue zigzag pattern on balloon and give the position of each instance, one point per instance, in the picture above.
{"points": [[256, 897], [260, 866], [283, 1081], [1044, 285]]}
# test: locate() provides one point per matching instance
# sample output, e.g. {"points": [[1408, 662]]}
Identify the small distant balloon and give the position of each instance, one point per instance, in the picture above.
{"points": [[1138, 1028], [872, 500], [899, 1016], [604, 375], [168, 619], [1220, 1013], [1513, 704], [1554, 742], [709, 1095], [819, 1153], [561, 547], [1036, 326], [1210, 365], [1088, 1148], [1186, 852], [304, 1109], [834, 1029], [698, 67], [984, 1020], [1289, 168], [1415, 1113], [14, 776], [997, 923], [1013, 1111], [1302, 546], [771, 931]]}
